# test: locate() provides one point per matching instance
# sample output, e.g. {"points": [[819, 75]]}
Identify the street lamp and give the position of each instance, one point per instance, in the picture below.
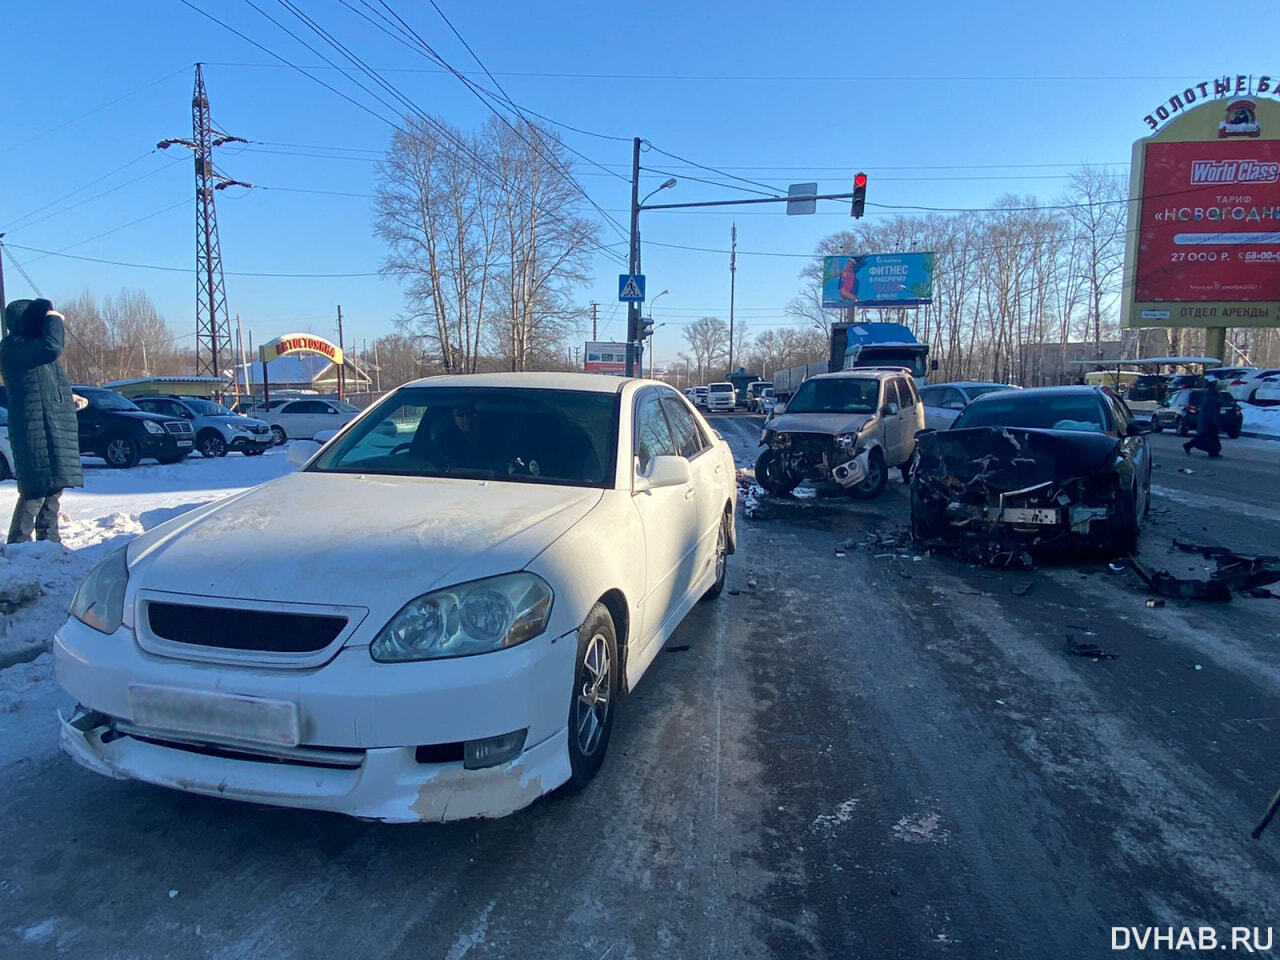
{"points": [[652, 352], [667, 185]]}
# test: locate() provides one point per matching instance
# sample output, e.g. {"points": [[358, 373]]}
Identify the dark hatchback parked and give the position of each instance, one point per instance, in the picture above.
{"points": [[113, 428], [1180, 413]]}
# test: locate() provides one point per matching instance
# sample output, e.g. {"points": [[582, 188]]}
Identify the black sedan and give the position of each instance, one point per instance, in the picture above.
{"points": [[1181, 411], [1041, 467]]}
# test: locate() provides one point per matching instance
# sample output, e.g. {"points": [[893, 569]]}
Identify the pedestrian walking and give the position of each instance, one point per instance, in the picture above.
{"points": [[1206, 437], [43, 431]]}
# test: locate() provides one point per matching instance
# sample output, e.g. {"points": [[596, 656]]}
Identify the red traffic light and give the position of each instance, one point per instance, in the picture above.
{"points": [[859, 194]]}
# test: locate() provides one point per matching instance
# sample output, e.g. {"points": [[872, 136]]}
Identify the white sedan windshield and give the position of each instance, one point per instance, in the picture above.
{"points": [[531, 436]]}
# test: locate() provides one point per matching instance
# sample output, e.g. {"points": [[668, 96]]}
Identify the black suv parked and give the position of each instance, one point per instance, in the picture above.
{"points": [[113, 428]]}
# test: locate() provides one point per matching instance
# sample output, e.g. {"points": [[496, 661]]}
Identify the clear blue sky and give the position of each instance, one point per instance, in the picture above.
{"points": [[941, 103]]}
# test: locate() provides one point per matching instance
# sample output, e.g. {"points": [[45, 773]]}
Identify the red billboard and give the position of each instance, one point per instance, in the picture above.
{"points": [[1210, 224], [607, 358]]}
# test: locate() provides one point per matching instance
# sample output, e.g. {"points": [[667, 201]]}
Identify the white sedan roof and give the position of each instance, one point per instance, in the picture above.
{"points": [[593, 382]]}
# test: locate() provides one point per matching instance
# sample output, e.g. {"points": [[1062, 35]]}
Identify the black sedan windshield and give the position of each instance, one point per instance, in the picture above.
{"points": [[1061, 411], [836, 395], [106, 399], [493, 433]]}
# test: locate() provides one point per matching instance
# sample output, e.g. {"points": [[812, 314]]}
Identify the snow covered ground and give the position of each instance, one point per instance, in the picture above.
{"points": [[1264, 420], [37, 580]]}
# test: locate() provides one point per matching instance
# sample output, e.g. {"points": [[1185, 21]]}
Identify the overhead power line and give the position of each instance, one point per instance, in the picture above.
{"points": [[478, 165], [187, 270]]}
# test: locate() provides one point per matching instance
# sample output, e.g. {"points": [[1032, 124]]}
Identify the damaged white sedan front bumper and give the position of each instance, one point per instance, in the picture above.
{"points": [[391, 742]]}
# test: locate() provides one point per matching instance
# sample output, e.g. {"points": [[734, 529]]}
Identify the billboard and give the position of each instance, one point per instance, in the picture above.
{"points": [[607, 358], [1204, 219], [878, 280]]}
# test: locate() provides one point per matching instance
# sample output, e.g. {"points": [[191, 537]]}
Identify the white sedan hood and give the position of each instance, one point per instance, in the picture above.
{"points": [[358, 540]]}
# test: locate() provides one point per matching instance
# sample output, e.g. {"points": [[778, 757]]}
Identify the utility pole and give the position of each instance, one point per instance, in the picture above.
{"points": [[211, 293], [633, 308], [377, 367], [244, 366], [733, 274], [3, 302], [342, 367], [595, 308]]}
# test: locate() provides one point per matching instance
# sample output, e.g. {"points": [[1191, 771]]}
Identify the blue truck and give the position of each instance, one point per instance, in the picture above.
{"points": [[856, 345]]}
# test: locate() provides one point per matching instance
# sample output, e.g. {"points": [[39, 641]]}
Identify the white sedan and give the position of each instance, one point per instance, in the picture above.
{"points": [[431, 620], [303, 419]]}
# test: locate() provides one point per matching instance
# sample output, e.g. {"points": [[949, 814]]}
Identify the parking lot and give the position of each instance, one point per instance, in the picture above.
{"points": [[859, 750]]}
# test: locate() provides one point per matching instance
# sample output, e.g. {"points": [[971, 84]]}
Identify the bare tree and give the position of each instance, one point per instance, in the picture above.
{"points": [[708, 340], [547, 245], [122, 337], [1097, 209], [436, 213]]}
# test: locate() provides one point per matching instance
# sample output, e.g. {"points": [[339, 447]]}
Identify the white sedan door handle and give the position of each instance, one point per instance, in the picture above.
{"points": [[719, 468], [688, 494]]}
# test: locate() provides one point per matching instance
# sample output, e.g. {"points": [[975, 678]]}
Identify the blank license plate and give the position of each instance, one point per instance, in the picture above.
{"points": [[184, 443], [1028, 515], [222, 715]]}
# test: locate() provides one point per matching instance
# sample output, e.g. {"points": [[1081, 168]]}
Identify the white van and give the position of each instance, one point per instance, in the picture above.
{"points": [[721, 397]]}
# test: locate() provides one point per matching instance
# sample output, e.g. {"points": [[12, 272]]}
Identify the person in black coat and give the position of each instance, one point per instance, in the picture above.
{"points": [[1206, 437], [42, 417]]}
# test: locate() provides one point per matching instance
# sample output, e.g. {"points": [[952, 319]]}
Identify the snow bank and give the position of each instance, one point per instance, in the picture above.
{"points": [[1265, 420], [38, 580]]}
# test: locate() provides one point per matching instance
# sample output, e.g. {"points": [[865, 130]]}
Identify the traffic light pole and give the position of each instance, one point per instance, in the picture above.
{"points": [[633, 308]]}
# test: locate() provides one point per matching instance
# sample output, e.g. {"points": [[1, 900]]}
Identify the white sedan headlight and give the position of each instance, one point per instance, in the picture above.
{"points": [[476, 617], [99, 602]]}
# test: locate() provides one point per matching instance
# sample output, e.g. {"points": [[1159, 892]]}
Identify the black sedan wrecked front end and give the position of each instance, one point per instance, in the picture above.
{"points": [[1021, 487]]}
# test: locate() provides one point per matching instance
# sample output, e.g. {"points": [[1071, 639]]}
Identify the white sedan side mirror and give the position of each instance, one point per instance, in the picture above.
{"points": [[300, 451], [663, 472]]}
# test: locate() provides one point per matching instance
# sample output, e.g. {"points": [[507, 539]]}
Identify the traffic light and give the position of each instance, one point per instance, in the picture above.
{"points": [[859, 193], [646, 328]]}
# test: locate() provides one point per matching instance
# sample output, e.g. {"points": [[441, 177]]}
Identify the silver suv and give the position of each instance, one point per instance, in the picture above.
{"points": [[217, 429], [846, 428]]}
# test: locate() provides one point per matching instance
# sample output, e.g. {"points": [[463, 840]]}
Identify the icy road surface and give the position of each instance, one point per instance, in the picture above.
{"points": [[864, 755]]}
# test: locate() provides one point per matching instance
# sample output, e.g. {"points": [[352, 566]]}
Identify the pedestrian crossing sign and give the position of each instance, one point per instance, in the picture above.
{"points": [[631, 287]]}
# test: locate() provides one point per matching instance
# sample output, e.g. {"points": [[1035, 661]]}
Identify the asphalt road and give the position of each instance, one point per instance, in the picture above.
{"points": [[867, 755]]}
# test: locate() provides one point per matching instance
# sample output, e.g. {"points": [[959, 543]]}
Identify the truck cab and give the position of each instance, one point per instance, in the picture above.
{"points": [[857, 345]]}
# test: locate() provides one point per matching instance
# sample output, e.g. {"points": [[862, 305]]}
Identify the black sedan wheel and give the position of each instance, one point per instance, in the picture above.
{"points": [[122, 452]]}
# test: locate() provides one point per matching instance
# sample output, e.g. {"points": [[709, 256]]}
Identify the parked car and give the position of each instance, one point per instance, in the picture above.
{"points": [[943, 402], [766, 402], [114, 428], [1185, 381], [1179, 413], [1037, 467], [217, 429], [721, 397], [754, 390], [700, 397], [1149, 386], [1267, 392], [1244, 387], [1225, 375], [846, 428], [457, 641], [6, 451], [303, 419]]}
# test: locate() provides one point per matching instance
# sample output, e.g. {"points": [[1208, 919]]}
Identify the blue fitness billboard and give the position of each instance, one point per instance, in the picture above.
{"points": [[878, 280]]}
